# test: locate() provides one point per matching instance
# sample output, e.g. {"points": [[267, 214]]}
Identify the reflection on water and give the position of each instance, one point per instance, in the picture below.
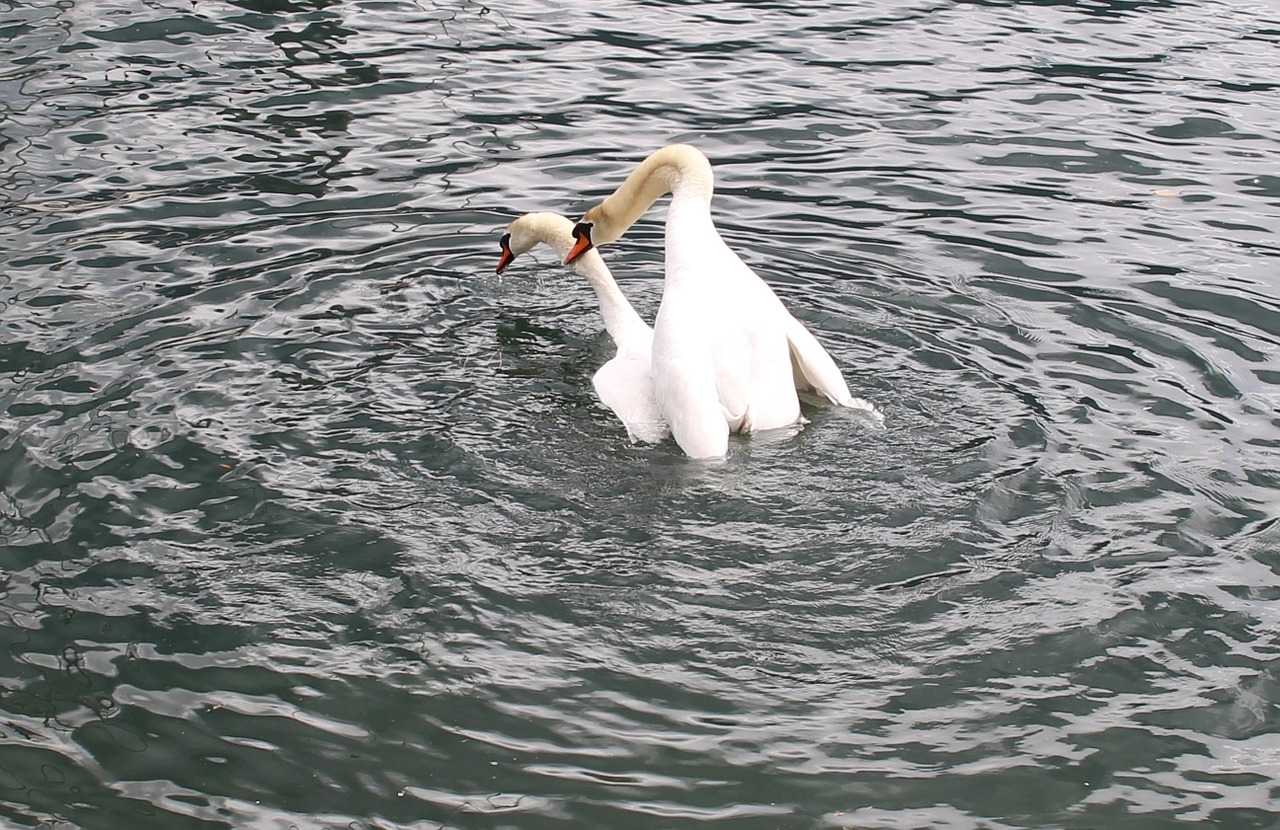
{"points": [[309, 520]]}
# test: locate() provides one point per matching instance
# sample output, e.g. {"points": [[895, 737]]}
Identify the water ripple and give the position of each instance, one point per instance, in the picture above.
{"points": [[309, 519]]}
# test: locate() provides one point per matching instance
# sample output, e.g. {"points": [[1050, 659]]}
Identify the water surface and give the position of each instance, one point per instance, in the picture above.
{"points": [[310, 520]]}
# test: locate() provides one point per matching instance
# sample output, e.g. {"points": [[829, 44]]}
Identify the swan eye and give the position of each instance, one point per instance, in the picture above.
{"points": [[582, 229]]}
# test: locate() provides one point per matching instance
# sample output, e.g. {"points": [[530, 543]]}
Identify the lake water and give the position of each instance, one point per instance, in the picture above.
{"points": [[310, 520]]}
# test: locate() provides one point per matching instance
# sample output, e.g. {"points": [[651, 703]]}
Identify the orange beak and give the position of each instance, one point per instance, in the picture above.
{"points": [[581, 242], [507, 256]]}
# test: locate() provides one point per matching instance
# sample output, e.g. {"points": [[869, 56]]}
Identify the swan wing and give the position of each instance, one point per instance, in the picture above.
{"points": [[625, 385], [814, 368], [812, 364]]}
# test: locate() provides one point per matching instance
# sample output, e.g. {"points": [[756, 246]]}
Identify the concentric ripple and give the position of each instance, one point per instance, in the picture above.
{"points": [[307, 519]]}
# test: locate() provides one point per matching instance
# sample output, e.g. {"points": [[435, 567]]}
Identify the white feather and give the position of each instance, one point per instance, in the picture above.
{"points": [[727, 355]]}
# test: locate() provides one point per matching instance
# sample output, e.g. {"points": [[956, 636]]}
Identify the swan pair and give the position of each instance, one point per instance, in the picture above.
{"points": [[724, 354]]}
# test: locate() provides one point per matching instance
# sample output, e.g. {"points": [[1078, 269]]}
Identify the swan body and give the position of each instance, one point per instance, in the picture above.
{"points": [[624, 383], [727, 355]]}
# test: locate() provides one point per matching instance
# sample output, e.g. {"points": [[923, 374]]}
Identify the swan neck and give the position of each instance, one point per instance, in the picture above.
{"points": [[679, 169], [620, 319]]}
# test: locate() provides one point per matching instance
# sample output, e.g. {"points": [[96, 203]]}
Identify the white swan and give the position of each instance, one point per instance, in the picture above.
{"points": [[624, 383], [727, 355]]}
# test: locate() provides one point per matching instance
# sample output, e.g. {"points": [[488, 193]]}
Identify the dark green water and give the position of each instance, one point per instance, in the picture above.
{"points": [[309, 520]]}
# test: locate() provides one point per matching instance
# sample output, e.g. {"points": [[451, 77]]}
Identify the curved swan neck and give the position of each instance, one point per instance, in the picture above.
{"points": [[679, 169], [620, 319]]}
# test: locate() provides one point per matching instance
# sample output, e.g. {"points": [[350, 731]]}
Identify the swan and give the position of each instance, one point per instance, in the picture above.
{"points": [[624, 384], [727, 355]]}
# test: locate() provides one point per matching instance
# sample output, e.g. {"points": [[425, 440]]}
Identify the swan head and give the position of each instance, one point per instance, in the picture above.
{"points": [[534, 228], [595, 228], [507, 257]]}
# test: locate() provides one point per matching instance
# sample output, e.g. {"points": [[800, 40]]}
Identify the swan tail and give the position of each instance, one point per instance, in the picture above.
{"points": [[695, 414]]}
